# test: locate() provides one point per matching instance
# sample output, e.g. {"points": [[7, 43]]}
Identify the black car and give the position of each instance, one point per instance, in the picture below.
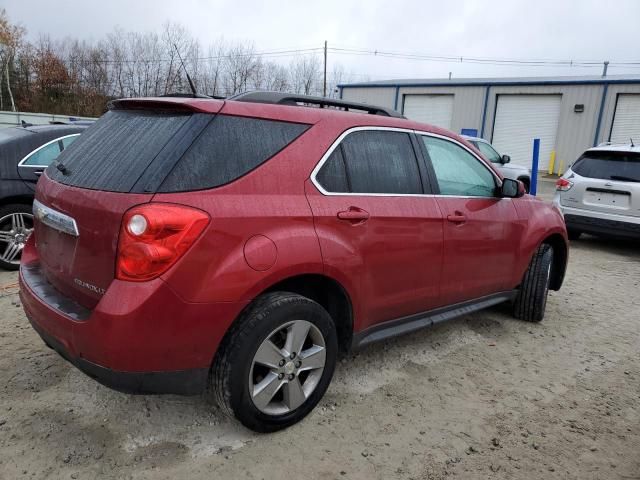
{"points": [[24, 154]]}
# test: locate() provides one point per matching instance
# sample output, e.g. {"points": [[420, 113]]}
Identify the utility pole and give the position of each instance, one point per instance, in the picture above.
{"points": [[604, 70], [324, 83]]}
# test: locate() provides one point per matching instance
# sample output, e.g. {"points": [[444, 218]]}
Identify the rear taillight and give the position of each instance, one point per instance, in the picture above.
{"points": [[154, 236], [563, 184]]}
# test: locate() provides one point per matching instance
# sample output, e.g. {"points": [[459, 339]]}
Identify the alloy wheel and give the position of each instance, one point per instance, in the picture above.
{"points": [[15, 229], [287, 367]]}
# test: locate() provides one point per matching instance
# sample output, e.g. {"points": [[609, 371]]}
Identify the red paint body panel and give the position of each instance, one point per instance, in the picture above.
{"points": [[406, 257], [480, 250]]}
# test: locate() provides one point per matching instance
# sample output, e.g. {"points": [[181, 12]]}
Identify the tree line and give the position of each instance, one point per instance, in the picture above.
{"points": [[75, 77]]}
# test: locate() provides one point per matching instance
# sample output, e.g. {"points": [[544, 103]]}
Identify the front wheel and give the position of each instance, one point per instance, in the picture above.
{"points": [[276, 362], [531, 301]]}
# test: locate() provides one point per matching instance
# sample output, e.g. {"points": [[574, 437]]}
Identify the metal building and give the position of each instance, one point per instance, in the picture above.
{"points": [[567, 114]]}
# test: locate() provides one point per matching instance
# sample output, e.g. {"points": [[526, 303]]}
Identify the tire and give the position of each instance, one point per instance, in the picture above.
{"points": [[237, 371], [13, 235], [531, 300], [573, 234]]}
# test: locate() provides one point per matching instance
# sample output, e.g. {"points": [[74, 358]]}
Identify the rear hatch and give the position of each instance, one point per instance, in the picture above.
{"points": [[117, 163], [607, 182]]}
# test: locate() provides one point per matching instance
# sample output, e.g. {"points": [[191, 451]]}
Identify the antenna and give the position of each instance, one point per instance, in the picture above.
{"points": [[193, 88], [631, 140]]}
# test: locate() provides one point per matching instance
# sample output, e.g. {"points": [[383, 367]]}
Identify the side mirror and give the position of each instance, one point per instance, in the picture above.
{"points": [[512, 188], [505, 159]]}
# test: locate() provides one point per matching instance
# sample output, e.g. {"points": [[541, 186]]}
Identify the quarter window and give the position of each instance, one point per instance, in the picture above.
{"points": [[44, 156], [333, 174], [372, 161], [457, 171]]}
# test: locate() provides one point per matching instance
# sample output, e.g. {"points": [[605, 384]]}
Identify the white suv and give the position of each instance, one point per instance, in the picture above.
{"points": [[508, 170], [600, 192]]}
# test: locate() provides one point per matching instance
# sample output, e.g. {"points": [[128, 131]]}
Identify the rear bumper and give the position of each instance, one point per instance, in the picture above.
{"points": [[140, 338], [602, 226], [184, 382]]}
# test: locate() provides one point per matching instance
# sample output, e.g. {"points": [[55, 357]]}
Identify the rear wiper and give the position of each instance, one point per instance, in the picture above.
{"points": [[60, 166], [622, 178]]}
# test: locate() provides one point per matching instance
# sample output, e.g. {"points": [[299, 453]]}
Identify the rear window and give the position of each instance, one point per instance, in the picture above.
{"points": [[620, 166], [137, 151], [113, 153]]}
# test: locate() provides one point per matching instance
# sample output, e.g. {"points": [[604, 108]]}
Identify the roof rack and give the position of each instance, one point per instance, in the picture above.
{"points": [[279, 98]]}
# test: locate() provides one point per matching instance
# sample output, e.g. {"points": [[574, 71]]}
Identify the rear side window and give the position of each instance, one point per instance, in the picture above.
{"points": [[228, 148], [620, 166], [43, 156], [372, 161], [333, 174], [113, 153]]}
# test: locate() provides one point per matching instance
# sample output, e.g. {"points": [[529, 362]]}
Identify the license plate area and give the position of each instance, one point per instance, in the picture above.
{"points": [[604, 198]]}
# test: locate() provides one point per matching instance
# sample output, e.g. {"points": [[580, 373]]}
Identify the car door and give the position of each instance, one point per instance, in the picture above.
{"points": [[481, 234], [33, 164], [377, 228]]}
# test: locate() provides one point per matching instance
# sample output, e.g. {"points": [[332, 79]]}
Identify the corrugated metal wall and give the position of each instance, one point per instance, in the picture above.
{"points": [[610, 106], [383, 96], [576, 131], [467, 104]]}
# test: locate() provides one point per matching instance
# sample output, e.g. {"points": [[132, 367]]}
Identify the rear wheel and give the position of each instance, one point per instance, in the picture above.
{"points": [[16, 224], [276, 362], [573, 234], [531, 301]]}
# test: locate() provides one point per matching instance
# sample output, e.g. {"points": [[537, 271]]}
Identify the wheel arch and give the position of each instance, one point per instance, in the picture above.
{"points": [[560, 257], [329, 293]]}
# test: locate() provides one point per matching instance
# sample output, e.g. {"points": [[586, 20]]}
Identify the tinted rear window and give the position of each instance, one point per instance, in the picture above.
{"points": [[228, 148], [621, 166], [137, 151], [114, 152]]}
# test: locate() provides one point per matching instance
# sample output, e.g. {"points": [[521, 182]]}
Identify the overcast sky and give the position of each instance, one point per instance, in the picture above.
{"points": [[548, 29]]}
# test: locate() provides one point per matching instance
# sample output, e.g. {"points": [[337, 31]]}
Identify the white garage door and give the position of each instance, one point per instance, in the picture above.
{"points": [[520, 119], [626, 123], [432, 109]]}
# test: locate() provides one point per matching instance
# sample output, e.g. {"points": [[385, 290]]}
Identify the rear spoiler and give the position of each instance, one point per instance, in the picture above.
{"points": [[168, 104]]}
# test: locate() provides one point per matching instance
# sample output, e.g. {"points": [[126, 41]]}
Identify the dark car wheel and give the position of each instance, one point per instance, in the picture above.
{"points": [[531, 300], [276, 362], [16, 224]]}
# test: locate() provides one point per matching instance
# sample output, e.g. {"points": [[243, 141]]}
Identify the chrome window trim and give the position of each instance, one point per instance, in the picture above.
{"points": [[54, 219], [347, 132], [26, 157]]}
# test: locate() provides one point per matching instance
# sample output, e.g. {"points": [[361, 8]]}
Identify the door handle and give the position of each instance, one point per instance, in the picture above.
{"points": [[37, 173], [457, 218], [354, 215]]}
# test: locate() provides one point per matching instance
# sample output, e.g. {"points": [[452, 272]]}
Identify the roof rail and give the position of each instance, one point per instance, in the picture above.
{"points": [[280, 98]]}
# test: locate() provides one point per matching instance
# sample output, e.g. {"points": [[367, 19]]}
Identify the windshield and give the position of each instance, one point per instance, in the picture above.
{"points": [[620, 166], [488, 151]]}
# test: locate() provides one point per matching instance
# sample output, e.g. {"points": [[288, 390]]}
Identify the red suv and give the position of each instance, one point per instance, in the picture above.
{"points": [[242, 244]]}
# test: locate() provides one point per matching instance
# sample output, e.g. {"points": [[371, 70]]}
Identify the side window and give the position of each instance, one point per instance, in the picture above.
{"points": [[457, 171], [44, 156], [69, 140], [380, 161], [488, 151], [228, 148], [333, 174]]}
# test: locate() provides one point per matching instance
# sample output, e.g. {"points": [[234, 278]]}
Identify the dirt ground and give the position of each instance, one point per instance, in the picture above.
{"points": [[484, 396]]}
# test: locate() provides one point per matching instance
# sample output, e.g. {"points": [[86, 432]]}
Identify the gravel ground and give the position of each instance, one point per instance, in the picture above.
{"points": [[484, 396]]}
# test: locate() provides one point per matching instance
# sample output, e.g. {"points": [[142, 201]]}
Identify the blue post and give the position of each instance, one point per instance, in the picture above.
{"points": [[534, 167]]}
